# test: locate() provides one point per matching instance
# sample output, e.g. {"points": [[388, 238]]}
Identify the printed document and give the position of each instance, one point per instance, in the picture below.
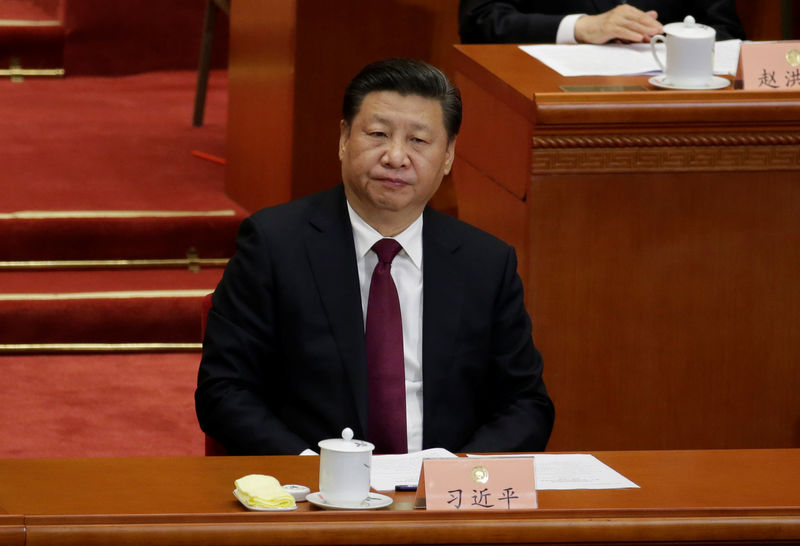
{"points": [[621, 59], [572, 471], [551, 470]]}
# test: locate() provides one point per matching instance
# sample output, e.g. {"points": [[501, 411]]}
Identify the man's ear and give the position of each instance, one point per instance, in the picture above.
{"points": [[344, 135], [450, 155]]}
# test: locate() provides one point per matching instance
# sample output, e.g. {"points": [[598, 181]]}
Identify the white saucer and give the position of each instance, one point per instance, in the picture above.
{"points": [[716, 82], [372, 502], [258, 509]]}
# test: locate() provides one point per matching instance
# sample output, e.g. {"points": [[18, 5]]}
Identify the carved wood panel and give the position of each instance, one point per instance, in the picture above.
{"points": [[671, 153]]}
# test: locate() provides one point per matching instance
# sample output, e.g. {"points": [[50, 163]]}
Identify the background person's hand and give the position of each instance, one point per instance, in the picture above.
{"points": [[624, 22]]}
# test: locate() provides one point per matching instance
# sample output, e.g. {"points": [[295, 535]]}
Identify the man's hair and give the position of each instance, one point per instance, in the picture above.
{"points": [[407, 77]]}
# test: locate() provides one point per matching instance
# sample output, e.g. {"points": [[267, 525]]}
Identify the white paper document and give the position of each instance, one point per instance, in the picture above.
{"points": [[621, 59], [572, 471], [390, 470]]}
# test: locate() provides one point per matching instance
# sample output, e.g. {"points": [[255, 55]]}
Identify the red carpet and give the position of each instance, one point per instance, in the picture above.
{"points": [[102, 168], [85, 146], [99, 406], [112, 143], [90, 145], [98, 169]]}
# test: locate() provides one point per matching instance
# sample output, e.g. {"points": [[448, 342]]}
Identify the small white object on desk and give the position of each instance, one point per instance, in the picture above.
{"points": [[716, 82], [374, 501], [299, 492]]}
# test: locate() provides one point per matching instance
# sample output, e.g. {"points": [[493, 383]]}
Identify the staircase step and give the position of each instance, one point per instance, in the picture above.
{"points": [[31, 36], [86, 235], [103, 168], [39, 309], [31, 10]]}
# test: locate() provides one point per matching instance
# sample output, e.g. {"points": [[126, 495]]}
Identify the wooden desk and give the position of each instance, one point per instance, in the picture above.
{"points": [[659, 245], [684, 496]]}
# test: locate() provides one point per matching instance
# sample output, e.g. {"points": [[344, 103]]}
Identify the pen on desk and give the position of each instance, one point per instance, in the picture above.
{"points": [[405, 487]]}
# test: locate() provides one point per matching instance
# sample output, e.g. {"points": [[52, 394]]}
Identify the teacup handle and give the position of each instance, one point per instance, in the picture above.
{"points": [[658, 38]]}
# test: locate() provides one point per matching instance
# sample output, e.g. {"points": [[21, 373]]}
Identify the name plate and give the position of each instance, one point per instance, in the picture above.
{"points": [[477, 484], [770, 66]]}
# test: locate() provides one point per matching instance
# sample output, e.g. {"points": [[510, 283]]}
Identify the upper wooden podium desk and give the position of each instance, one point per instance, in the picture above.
{"points": [[658, 235], [733, 496]]}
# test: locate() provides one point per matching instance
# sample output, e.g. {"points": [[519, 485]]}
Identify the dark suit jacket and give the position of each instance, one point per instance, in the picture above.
{"points": [[536, 21], [284, 361]]}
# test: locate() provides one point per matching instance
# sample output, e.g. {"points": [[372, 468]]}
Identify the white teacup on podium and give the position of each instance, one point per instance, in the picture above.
{"points": [[344, 470], [690, 54]]}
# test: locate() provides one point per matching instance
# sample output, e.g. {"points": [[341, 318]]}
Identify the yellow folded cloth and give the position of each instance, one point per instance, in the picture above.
{"points": [[260, 491]]}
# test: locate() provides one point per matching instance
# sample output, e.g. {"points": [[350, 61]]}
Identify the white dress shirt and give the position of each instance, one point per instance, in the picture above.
{"points": [[566, 29], [407, 275]]}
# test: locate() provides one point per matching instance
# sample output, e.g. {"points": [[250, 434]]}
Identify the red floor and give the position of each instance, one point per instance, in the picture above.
{"points": [[124, 405]]}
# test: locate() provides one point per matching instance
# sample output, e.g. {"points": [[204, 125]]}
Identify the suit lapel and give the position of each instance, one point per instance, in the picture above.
{"points": [[330, 238], [441, 308]]}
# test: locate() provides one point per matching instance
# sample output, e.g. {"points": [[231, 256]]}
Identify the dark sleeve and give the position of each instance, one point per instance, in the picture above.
{"points": [[722, 16], [522, 413], [488, 21], [237, 394]]}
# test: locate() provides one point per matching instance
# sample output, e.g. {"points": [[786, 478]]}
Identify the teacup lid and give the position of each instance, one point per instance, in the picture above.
{"points": [[346, 443], [689, 29]]}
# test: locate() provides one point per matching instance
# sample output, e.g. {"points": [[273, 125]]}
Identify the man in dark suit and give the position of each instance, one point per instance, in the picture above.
{"points": [[285, 361], [587, 21]]}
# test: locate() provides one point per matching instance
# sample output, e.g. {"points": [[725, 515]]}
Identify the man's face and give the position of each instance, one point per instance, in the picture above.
{"points": [[394, 157]]}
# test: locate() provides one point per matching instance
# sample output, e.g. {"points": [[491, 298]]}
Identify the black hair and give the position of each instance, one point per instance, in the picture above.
{"points": [[407, 77]]}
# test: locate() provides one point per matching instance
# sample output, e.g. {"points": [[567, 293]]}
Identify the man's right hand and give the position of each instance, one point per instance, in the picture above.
{"points": [[624, 22]]}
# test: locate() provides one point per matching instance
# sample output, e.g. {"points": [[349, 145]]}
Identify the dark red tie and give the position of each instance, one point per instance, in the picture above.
{"points": [[386, 368]]}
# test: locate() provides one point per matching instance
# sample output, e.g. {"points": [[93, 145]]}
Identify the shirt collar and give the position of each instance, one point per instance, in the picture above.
{"points": [[365, 236]]}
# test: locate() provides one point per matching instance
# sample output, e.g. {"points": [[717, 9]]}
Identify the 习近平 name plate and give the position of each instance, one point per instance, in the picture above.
{"points": [[477, 484]]}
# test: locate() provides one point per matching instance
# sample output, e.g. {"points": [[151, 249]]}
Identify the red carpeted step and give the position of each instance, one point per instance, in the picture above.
{"points": [[160, 306], [32, 32], [110, 405], [103, 168], [98, 235]]}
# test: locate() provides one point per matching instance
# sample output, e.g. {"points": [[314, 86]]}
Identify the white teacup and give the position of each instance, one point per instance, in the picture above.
{"points": [[690, 53], [344, 470]]}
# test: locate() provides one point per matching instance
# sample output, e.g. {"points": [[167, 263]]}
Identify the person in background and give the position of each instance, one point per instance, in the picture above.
{"points": [[587, 21], [362, 307]]}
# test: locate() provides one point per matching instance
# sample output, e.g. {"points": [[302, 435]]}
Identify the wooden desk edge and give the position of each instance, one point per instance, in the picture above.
{"points": [[440, 528], [12, 530]]}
